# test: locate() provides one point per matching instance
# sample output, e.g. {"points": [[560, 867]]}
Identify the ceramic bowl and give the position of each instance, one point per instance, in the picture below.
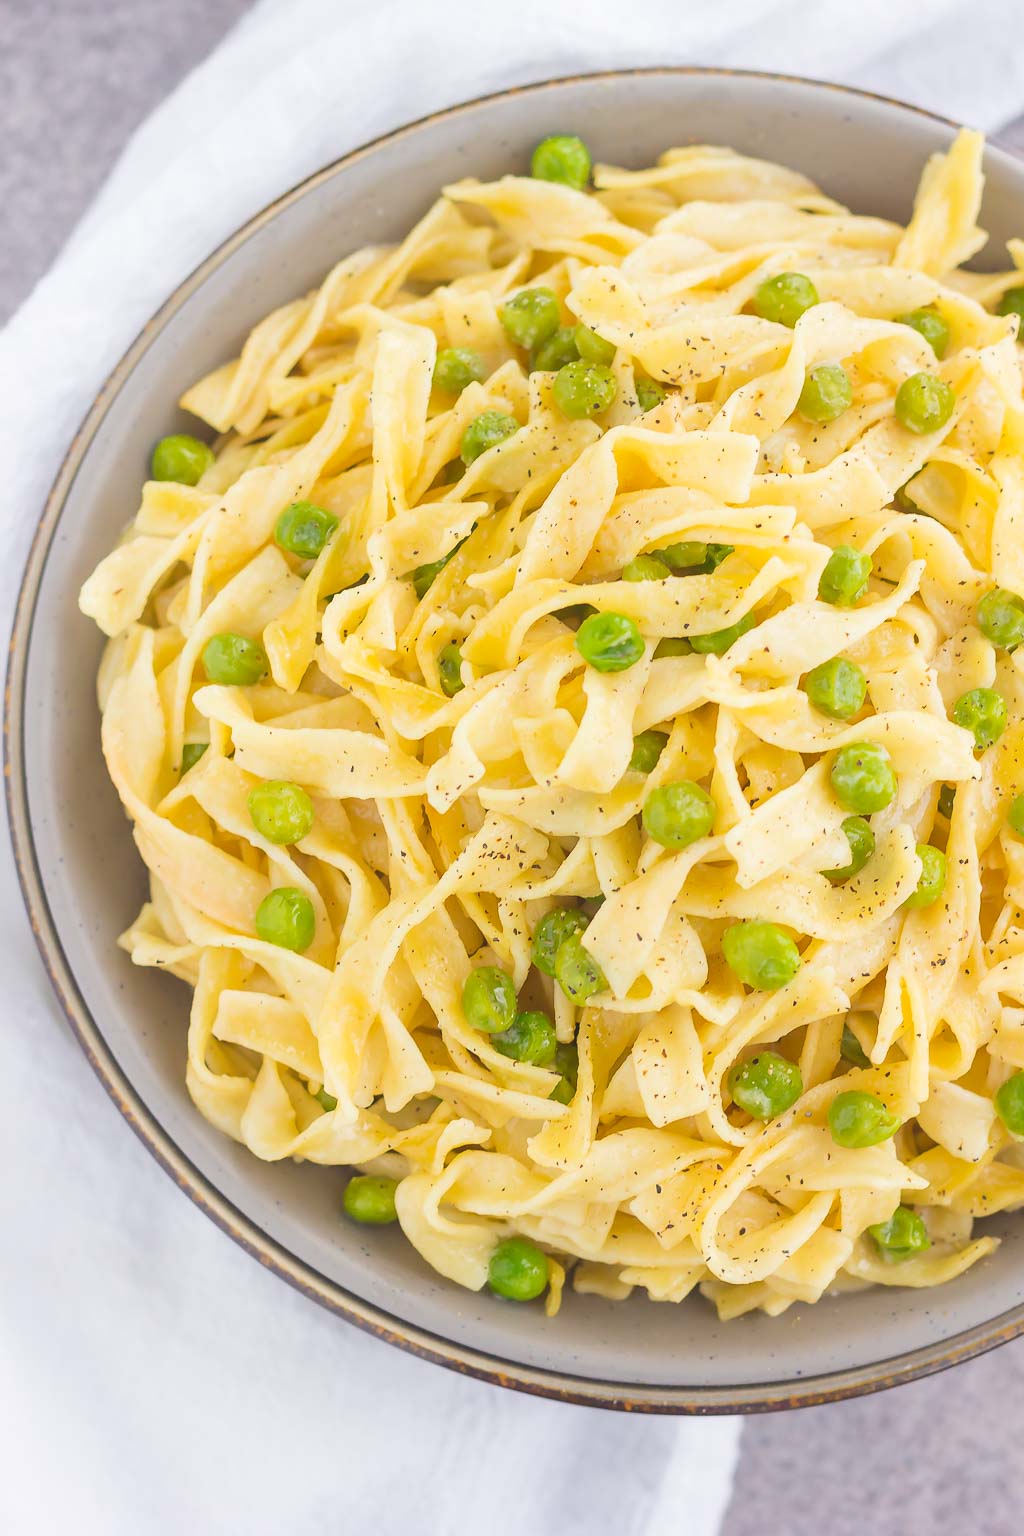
{"points": [[83, 880]]}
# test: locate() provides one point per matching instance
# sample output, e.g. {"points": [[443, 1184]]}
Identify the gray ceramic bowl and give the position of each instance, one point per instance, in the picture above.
{"points": [[83, 881]]}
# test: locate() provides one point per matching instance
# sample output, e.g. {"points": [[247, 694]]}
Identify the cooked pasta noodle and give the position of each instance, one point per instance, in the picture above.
{"points": [[464, 751]]}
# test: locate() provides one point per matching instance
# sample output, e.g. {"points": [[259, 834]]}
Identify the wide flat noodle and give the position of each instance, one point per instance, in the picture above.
{"points": [[467, 769]]}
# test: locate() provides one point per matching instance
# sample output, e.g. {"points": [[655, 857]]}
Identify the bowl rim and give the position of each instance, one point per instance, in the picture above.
{"points": [[763, 1397]]}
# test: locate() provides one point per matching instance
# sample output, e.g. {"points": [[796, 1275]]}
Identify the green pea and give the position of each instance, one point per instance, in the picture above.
{"points": [[719, 640], [531, 317], [694, 557], [563, 158], [826, 394], [760, 955], [191, 752], [285, 917], [610, 642], [424, 576], [929, 324], [1000, 616], [645, 568], [458, 367], [567, 1063], [766, 1085], [837, 688], [303, 529], [689, 555], [584, 389], [785, 298], [863, 778], [932, 878], [859, 1119], [281, 812], [592, 347], [486, 431], [676, 815], [902, 1236], [982, 711], [924, 403], [489, 999], [182, 458], [649, 392], [947, 796], [1009, 1101], [851, 1050], [554, 353], [1015, 815], [326, 1100], [449, 669], [862, 845], [845, 578], [234, 660], [530, 1037], [370, 1199], [672, 646], [1011, 303], [517, 1270], [551, 932], [647, 748], [577, 972]]}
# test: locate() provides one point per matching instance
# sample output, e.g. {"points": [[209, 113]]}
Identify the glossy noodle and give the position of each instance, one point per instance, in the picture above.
{"points": [[557, 629]]}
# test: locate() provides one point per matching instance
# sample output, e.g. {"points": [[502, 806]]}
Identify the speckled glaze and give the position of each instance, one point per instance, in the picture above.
{"points": [[83, 882]]}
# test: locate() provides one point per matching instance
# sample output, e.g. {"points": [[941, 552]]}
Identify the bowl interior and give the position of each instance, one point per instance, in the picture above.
{"points": [[866, 152]]}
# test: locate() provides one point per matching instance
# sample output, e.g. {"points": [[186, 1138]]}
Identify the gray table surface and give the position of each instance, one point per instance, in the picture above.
{"points": [[75, 79]]}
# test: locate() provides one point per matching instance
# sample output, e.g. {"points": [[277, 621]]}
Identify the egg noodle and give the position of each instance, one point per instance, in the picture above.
{"points": [[450, 818]]}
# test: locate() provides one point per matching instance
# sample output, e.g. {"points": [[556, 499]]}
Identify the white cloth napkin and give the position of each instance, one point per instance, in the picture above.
{"points": [[155, 1379]]}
